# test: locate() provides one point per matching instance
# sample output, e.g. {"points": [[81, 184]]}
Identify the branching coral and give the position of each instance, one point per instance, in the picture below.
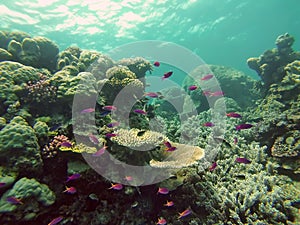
{"points": [[52, 148]]}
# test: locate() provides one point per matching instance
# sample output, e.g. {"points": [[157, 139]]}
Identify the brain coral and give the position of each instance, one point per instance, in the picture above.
{"points": [[34, 195], [19, 148]]}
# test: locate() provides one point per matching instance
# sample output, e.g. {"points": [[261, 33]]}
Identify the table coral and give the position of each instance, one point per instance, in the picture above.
{"points": [[19, 148]]}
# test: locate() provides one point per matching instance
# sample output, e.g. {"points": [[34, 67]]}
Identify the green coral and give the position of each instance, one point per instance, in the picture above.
{"points": [[30, 191], [41, 129], [19, 149], [5, 55], [139, 66]]}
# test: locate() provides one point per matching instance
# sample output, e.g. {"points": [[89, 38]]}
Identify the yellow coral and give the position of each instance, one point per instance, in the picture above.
{"points": [[139, 139], [79, 148], [183, 156]]}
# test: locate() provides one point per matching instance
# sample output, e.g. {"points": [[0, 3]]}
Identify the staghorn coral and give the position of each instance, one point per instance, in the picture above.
{"points": [[51, 149], [41, 91]]}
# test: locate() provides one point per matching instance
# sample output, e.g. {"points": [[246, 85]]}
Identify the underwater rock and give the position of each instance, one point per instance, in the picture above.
{"points": [[139, 66]]}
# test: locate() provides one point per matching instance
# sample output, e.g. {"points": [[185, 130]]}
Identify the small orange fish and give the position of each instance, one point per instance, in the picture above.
{"points": [[169, 203], [184, 213], [100, 151], [128, 178], [70, 190], [207, 77], [162, 190], [116, 186], [13, 200], [56, 220], [161, 221]]}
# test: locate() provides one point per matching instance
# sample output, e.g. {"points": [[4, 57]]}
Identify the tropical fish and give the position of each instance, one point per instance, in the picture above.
{"points": [[242, 160], [234, 115], [156, 63], [70, 190], [213, 166], [128, 178], [100, 151], [2, 184], [109, 108], [235, 140], [162, 190], [184, 213], [56, 220], [243, 126], [217, 93], [88, 110], [140, 111], [74, 176], [206, 93], [161, 221], [171, 149], [94, 139], [13, 200], [66, 144], [169, 203], [116, 186], [113, 124], [167, 75], [209, 124], [151, 94], [192, 87], [167, 144], [110, 135], [104, 113], [207, 77]]}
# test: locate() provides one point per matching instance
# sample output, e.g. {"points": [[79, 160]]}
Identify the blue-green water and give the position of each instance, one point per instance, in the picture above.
{"points": [[224, 32]]}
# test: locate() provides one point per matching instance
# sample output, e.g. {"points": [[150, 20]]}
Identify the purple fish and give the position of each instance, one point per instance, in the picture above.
{"points": [[104, 113], [94, 139], [100, 152], [171, 149], [167, 75], [74, 176], [109, 108], [243, 126], [234, 115], [88, 110], [56, 220], [2, 184], [209, 124], [66, 144], [213, 166], [156, 63], [207, 77], [242, 160], [113, 124], [151, 94], [140, 111], [162, 190], [70, 190], [235, 140], [13, 200], [217, 93], [116, 186], [110, 135], [192, 87]]}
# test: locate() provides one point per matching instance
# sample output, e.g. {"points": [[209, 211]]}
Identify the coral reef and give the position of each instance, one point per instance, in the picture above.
{"points": [[19, 149], [270, 65], [34, 196], [39, 52]]}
